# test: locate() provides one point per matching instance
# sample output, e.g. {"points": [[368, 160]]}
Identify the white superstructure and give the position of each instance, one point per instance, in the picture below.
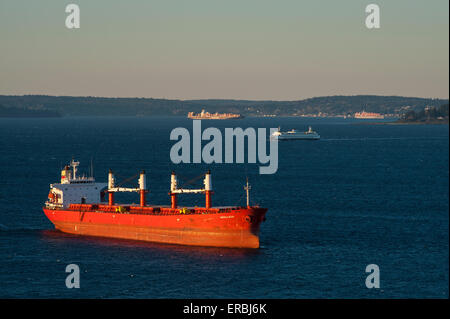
{"points": [[74, 189], [295, 135]]}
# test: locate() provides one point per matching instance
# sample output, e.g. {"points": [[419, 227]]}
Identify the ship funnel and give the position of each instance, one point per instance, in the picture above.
{"points": [[208, 189], [173, 188], [142, 188], [65, 175]]}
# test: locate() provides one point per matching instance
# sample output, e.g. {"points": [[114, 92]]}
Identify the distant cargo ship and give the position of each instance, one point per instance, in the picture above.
{"points": [[368, 115], [75, 206], [294, 135], [203, 115]]}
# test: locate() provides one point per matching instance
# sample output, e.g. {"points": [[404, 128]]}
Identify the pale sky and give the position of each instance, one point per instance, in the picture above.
{"points": [[229, 49]]}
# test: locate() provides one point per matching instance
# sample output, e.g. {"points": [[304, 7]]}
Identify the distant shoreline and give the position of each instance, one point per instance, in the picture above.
{"points": [[405, 123], [323, 106], [28, 117], [26, 112], [420, 123]]}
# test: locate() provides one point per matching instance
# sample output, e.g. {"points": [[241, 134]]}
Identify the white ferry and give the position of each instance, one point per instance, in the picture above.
{"points": [[295, 135]]}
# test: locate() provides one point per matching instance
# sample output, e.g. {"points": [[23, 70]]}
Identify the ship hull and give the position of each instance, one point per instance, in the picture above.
{"points": [[195, 117], [236, 228], [369, 117], [298, 137]]}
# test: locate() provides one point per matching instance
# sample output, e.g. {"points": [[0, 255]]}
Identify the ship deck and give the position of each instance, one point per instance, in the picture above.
{"points": [[152, 209]]}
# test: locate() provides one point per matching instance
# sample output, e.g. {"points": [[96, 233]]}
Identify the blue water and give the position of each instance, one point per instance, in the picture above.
{"points": [[363, 194]]}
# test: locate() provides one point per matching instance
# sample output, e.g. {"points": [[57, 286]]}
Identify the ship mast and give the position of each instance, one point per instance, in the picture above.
{"points": [[74, 165], [207, 190], [247, 188]]}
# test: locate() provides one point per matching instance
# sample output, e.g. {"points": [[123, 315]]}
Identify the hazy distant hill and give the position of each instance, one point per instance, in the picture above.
{"points": [[26, 112], [328, 105]]}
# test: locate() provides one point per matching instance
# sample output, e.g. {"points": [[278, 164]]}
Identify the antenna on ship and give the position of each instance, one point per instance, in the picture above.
{"points": [[247, 188], [92, 168]]}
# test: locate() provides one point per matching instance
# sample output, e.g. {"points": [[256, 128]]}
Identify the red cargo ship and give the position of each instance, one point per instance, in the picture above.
{"points": [[75, 206]]}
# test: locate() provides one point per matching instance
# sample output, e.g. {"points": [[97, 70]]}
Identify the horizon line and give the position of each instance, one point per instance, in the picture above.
{"points": [[222, 99]]}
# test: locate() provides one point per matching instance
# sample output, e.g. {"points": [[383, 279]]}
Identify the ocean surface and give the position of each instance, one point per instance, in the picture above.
{"points": [[363, 194]]}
